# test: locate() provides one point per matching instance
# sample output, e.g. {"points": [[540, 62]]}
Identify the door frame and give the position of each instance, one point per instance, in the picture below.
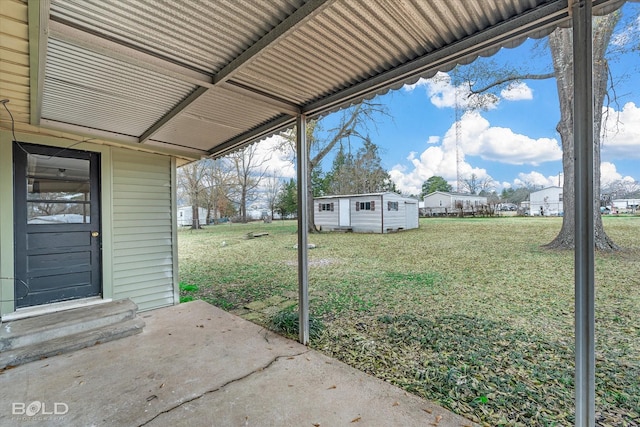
{"points": [[88, 235], [7, 307]]}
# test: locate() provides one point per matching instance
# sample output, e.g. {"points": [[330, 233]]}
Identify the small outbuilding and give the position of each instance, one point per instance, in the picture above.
{"points": [[366, 213], [185, 216], [546, 202]]}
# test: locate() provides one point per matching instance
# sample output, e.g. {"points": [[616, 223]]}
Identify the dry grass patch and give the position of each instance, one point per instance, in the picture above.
{"points": [[471, 313]]}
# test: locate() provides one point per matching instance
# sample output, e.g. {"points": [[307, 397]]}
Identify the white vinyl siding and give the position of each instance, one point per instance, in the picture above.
{"points": [[368, 213], [143, 265]]}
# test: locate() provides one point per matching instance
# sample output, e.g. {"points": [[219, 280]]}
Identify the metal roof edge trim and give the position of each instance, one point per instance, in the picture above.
{"points": [[547, 15]]}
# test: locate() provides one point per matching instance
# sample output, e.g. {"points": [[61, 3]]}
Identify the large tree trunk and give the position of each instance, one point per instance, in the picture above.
{"points": [[560, 42]]}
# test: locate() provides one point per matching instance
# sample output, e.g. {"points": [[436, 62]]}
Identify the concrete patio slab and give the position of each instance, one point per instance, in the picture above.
{"points": [[197, 365]]}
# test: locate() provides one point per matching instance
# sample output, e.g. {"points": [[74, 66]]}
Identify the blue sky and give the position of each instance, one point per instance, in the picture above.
{"points": [[515, 141]]}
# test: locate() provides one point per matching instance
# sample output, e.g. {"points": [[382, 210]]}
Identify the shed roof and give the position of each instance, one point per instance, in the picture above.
{"points": [[207, 77], [346, 196]]}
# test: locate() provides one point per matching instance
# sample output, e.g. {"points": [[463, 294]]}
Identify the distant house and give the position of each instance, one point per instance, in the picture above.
{"points": [[185, 216], [626, 205], [443, 203], [366, 213], [546, 202]]}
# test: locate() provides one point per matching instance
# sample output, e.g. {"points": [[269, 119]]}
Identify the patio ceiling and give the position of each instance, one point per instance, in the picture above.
{"points": [[207, 77]]}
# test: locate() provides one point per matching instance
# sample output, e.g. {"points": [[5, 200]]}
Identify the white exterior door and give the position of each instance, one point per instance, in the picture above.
{"points": [[345, 214]]}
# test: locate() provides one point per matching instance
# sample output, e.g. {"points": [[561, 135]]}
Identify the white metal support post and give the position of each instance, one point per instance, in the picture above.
{"points": [[303, 229], [584, 213]]}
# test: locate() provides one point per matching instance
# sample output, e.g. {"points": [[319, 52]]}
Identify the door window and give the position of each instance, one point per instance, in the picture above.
{"points": [[58, 190]]}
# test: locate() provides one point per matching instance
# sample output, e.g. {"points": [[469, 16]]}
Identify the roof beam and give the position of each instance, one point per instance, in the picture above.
{"points": [[60, 30], [262, 131], [292, 22], [172, 113]]}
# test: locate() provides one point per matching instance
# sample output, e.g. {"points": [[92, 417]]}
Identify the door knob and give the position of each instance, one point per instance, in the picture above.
{"points": [[95, 234]]}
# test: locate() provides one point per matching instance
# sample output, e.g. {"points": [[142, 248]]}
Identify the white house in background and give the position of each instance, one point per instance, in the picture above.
{"points": [[440, 202], [546, 202], [626, 205], [185, 216], [366, 213]]}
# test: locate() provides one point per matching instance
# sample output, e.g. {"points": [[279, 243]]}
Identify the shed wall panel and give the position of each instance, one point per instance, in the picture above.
{"points": [[366, 221], [142, 229], [327, 220]]}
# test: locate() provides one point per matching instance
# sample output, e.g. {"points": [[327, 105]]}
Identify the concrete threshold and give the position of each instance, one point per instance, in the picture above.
{"points": [[197, 365]]}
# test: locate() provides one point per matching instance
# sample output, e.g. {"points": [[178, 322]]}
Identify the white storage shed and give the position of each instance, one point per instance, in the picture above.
{"points": [[366, 213]]}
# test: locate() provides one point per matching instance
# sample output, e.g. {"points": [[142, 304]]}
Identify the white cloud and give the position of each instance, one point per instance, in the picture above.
{"points": [[277, 162], [443, 94], [518, 91], [609, 174], [433, 140], [621, 133], [477, 138], [534, 178]]}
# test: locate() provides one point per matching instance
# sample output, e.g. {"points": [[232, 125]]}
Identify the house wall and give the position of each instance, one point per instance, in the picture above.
{"points": [[143, 232], [437, 200], [139, 246], [548, 199]]}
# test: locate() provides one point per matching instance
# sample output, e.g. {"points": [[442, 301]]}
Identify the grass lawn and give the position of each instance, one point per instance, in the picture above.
{"points": [[470, 313]]}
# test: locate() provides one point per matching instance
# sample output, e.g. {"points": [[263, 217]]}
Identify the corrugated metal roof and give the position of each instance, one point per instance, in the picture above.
{"points": [[90, 89], [205, 35], [209, 76]]}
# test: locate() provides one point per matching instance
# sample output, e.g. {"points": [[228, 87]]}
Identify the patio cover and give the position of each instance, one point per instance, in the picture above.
{"points": [[203, 78]]}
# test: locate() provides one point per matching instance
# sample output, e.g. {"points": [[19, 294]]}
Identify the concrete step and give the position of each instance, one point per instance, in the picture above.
{"points": [[39, 329], [69, 343]]}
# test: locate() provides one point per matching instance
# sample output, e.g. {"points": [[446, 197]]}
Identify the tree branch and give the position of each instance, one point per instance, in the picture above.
{"points": [[512, 79]]}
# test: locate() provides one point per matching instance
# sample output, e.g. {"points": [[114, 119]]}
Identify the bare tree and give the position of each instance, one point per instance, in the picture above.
{"points": [[273, 187], [192, 186], [220, 180], [354, 122], [249, 173], [475, 185]]}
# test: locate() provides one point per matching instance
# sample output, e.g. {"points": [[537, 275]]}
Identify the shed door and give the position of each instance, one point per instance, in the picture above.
{"points": [[57, 224], [411, 215], [345, 213]]}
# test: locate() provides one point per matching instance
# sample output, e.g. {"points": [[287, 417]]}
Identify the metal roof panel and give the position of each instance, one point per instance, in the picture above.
{"points": [[90, 89]]}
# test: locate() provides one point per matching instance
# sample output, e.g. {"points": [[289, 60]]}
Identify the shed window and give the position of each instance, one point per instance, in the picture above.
{"points": [[560, 197], [325, 207], [392, 206], [366, 206]]}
